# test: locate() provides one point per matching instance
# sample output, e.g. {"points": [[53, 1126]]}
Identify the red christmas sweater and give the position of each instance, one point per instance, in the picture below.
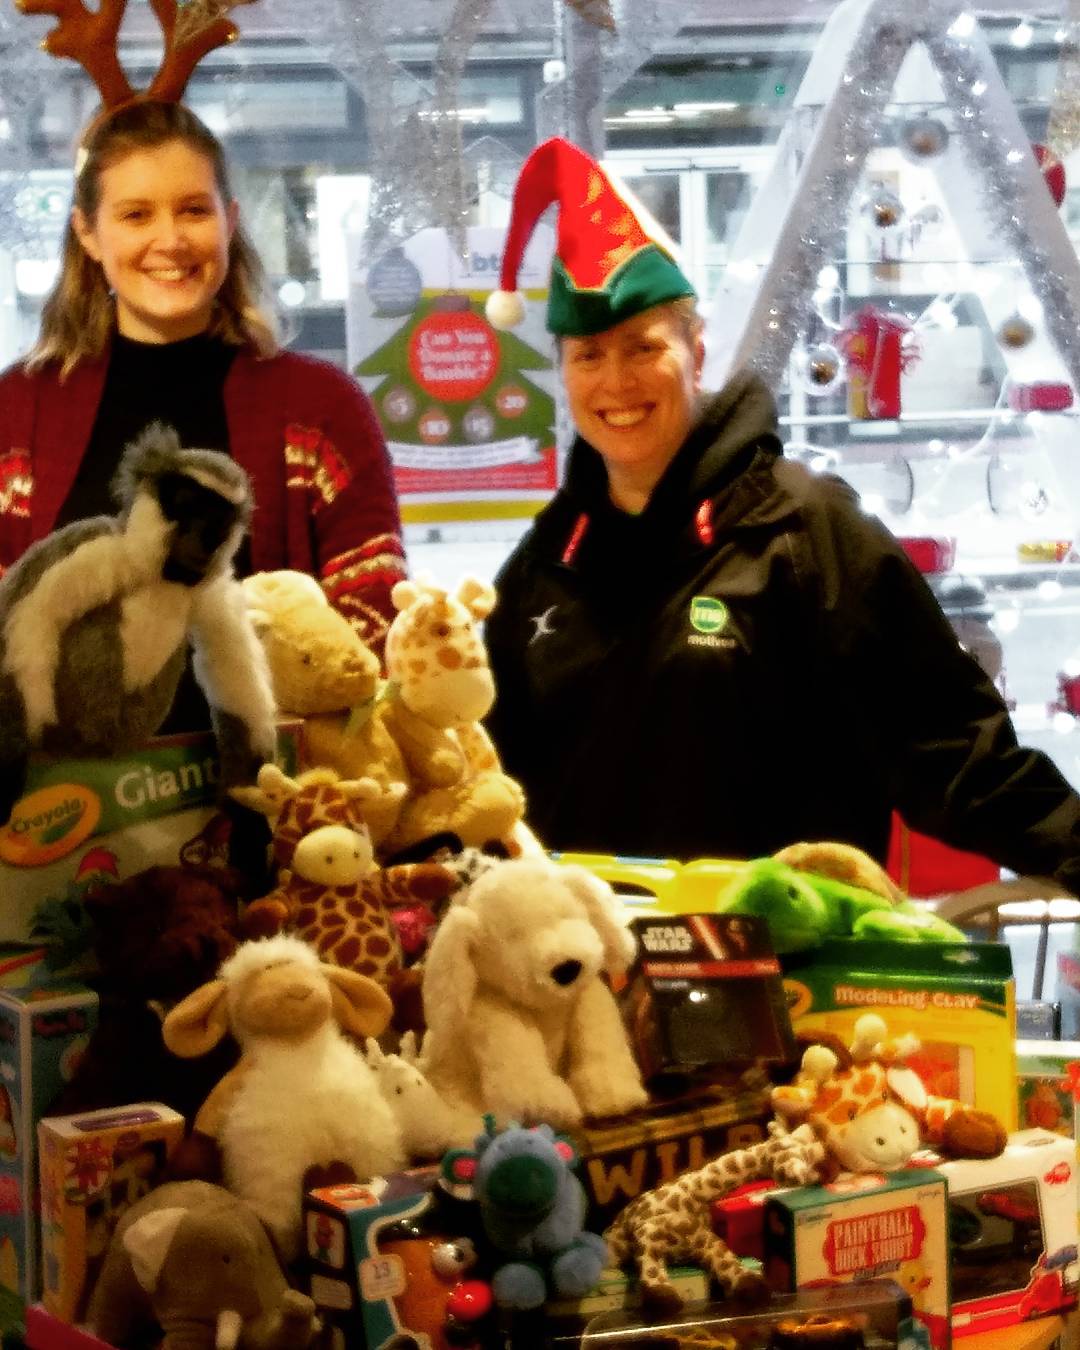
{"points": [[302, 429]]}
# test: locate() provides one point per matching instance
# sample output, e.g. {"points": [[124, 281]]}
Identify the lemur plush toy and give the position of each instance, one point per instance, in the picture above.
{"points": [[96, 617]]}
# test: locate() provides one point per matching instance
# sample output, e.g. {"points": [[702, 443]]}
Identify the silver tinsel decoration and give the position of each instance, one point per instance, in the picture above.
{"points": [[988, 127], [420, 174]]}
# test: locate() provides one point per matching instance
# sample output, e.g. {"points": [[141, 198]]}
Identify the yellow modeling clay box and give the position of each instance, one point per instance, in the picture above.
{"points": [[959, 1000], [866, 1227], [94, 1166]]}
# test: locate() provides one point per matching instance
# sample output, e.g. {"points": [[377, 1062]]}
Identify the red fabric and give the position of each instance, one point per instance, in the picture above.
{"points": [[597, 230], [304, 431], [922, 866]]}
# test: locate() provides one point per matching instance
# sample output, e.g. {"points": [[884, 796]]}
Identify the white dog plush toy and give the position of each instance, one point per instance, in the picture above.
{"points": [[520, 1020]]}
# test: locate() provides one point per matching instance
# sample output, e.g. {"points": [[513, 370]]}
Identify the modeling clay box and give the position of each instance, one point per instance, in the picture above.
{"points": [[959, 1000], [704, 991], [93, 1167], [877, 1313], [1048, 1086], [371, 1253], [866, 1227], [619, 1161], [1012, 1233], [42, 1034]]}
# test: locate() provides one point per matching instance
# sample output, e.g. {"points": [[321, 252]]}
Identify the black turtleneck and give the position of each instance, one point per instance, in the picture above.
{"points": [[179, 383]]}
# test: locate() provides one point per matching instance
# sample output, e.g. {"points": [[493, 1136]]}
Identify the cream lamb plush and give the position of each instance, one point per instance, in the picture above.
{"points": [[520, 1020], [322, 671], [302, 1096]]}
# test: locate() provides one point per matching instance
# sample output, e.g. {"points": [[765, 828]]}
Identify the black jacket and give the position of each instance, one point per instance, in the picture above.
{"points": [[824, 691]]}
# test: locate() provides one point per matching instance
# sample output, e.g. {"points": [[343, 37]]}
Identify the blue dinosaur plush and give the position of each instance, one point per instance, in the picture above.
{"points": [[533, 1211]]}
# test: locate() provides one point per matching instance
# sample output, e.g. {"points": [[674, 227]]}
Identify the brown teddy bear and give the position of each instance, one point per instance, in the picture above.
{"points": [[156, 936]]}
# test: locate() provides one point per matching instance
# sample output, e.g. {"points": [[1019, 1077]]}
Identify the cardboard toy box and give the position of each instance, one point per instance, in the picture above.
{"points": [[43, 1031], [622, 1160], [959, 1000], [704, 991], [93, 1167], [85, 821], [1048, 1086], [1012, 1233], [878, 1226], [368, 1250]]}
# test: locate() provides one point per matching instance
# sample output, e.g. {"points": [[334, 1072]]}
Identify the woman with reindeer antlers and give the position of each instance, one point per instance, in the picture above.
{"points": [[156, 316]]}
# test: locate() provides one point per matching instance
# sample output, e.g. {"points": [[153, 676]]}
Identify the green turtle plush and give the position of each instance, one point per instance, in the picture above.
{"points": [[804, 906]]}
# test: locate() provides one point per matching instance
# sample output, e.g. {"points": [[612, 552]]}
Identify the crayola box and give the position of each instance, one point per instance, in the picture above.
{"points": [[42, 1033], [87, 821], [877, 1226], [959, 1000], [93, 1167]]}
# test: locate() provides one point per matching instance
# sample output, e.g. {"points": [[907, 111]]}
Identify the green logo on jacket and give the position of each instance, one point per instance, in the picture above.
{"points": [[707, 614]]}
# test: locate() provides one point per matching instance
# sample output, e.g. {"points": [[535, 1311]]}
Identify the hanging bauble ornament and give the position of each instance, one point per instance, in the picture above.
{"points": [[1015, 332], [1053, 171], [394, 284], [1034, 499], [923, 138], [883, 208], [821, 369], [928, 218]]}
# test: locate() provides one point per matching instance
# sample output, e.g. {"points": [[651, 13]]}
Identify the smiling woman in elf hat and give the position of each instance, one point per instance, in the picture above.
{"points": [[701, 648]]}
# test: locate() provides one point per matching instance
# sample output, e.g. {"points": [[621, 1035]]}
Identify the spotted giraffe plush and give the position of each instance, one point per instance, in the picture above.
{"points": [[439, 689], [330, 891], [872, 1112], [671, 1223]]}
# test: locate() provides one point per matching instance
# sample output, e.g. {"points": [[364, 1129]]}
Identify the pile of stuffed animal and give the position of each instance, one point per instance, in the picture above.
{"points": [[418, 980]]}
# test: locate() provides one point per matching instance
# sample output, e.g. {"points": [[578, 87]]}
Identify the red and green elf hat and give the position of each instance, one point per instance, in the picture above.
{"points": [[611, 260]]}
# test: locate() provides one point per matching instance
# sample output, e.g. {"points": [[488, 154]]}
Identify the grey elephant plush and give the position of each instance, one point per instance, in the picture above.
{"points": [[197, 1262]]}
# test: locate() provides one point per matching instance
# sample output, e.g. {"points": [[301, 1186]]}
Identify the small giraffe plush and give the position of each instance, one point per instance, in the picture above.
{"points": [[671, 1223], [330, 892], [872, 1112], [440, 688]]}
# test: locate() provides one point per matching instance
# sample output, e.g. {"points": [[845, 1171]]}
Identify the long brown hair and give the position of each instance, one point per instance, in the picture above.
{"points": [[78, 317]]}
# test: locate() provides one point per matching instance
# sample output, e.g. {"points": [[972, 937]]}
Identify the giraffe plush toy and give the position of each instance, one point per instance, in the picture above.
{"points": [[872, 1112], [330, 891], [439, 689], [671, 1223]]}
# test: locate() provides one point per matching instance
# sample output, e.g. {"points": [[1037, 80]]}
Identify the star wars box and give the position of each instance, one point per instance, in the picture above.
{"points": [[619, 1161], [1012, 1233], [93, 1167], [704, 991], [867, 1227], [959, 1000], [86, 822]]}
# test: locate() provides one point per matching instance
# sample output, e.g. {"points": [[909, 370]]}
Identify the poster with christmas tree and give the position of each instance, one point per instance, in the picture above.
{"points": [[468, 412]]}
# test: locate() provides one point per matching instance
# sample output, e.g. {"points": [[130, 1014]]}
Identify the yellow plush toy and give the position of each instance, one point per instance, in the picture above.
{"points": [[322, 671], [440, 688]]}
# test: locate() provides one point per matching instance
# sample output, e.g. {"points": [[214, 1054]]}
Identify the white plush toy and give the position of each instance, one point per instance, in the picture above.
{"points": [[520, 1021], [429, 1126], [302, 1095]]}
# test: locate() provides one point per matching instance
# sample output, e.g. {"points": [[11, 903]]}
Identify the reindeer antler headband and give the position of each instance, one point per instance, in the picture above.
{"points": [[90, 37]]}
